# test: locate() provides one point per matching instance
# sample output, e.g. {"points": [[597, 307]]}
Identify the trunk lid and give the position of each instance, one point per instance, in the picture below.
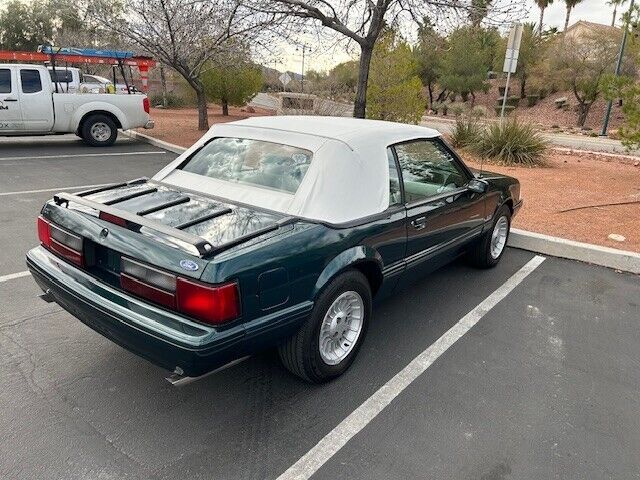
{"points": [[171, 222]]}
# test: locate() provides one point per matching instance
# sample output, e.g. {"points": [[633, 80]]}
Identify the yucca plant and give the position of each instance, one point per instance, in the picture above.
{"points": [[466, 133], [512, 143]]}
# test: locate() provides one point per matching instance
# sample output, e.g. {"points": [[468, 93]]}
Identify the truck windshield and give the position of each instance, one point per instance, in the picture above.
{"points": [[253, 162]]}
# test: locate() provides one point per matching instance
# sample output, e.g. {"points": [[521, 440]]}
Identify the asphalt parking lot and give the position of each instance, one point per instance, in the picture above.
{"points": [[546, 384]]}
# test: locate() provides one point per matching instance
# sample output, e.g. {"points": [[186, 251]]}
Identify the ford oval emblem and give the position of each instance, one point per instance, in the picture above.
{"points": [[189, 265]]}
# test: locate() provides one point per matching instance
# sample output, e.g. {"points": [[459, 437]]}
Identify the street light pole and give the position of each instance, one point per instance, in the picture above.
{"points": [[607, 115], [302, 80]]}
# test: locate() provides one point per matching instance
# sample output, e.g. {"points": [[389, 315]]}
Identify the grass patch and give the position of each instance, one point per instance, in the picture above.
{"points": [[466, 133], [513, 143]]}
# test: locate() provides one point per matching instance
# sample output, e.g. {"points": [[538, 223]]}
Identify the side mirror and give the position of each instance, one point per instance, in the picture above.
{"points": [[478, 186]]}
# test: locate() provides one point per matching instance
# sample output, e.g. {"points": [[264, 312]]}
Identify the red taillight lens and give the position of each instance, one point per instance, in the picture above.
{"points": [[214, 305], [44, 234], [65, 244], [145, 104], [107, 217], [209, 304], [141, 289]]}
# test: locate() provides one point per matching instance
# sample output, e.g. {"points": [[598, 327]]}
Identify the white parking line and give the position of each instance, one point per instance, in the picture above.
{"points": [[12, 276], [361, 416], [111, 154], [56, 189]]}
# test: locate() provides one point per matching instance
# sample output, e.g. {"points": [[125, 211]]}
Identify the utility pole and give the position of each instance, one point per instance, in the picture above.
{"points": [[607, 115], [304, 47]]}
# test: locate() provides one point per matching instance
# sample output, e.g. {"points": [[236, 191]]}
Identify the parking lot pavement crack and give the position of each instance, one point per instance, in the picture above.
{"points": [[44, 387], [20, 321]]}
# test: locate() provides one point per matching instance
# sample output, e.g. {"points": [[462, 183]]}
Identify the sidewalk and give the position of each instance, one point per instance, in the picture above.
{"points": [[577, 142]]}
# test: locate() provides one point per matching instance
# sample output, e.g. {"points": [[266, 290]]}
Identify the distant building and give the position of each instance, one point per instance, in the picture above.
{"points": [[582, 29]]}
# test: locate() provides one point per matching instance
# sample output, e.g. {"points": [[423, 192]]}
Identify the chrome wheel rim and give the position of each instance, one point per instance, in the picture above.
{"points": [[499, 237], [100, 131], [341, 327]]}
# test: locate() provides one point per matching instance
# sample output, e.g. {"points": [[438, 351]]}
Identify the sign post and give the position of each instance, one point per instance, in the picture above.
{"points": [[511, 60]]}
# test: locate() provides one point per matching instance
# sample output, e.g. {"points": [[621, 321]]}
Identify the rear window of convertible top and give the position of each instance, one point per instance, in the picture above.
{"points": [[251, 162]]}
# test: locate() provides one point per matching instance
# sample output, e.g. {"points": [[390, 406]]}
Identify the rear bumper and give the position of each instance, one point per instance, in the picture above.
{"points": [[165, 339]]}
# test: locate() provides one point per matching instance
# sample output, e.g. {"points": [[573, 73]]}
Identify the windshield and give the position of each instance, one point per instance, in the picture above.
{"points": [[252, 162]]}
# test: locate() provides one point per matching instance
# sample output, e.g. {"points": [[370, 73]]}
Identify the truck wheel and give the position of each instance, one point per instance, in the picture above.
{"points": [[488, 250], [99, 131], [328, 342]]}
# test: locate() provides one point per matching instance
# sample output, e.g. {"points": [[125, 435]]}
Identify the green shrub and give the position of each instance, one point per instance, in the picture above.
{"points": [[466, 133], [173, 100], [532, 100], [512, 143], [512, 100], [444, 107], [507, 109], [436, 106], [479, 111], [457, 108]]}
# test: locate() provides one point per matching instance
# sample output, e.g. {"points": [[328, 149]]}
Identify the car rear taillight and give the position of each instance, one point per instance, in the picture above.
{"points": [[212, 304], [145, 104], [66, 244]]}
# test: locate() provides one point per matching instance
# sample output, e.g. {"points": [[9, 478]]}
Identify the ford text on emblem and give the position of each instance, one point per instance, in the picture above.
{"points": [[189, 265]]}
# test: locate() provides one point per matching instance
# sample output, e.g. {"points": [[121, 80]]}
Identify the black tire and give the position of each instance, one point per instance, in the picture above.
{"points": [[480, 253], [103, 138], [300, 353]]}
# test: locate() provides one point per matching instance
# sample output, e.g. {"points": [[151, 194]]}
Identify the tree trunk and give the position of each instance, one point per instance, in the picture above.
{"points": [[430, 90], [225, 107], [540, 24], [523, 86], [615, 14], [163, 82], [566, 19], [203, 115], [583, 111], [360, 105]]}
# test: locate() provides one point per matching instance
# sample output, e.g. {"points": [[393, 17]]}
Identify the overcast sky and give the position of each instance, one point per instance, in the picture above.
{"points": [[592, 10]]}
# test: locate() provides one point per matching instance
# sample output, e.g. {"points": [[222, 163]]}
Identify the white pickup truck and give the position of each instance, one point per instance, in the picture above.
{"points": [[30, 106]]}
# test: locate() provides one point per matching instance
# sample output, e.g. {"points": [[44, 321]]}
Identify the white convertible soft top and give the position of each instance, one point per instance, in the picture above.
{"points": [[348, 178]]}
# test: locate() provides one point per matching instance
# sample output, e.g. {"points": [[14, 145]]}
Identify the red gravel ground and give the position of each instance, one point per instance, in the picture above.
{"points": [[180, 125], [568, 180], [579, 180]]}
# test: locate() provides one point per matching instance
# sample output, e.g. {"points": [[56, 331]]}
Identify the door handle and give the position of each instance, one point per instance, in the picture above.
{"points": [[419, 223], [9, 99]]}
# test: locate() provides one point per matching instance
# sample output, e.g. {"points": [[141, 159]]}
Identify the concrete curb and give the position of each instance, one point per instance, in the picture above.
{"points": [[584, 252], [155, 142], [522, 239]]}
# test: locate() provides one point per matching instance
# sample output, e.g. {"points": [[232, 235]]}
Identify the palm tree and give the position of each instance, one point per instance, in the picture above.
{"points": [[570, 5], [542, 4], [615, 4]]}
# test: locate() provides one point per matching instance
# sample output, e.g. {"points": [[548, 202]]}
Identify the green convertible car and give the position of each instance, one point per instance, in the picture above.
{"points": [[268, 232]]}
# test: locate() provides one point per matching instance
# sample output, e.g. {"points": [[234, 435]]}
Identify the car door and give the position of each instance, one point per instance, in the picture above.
{"points": [[10, 114], [442, 212], [35, 100]]}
